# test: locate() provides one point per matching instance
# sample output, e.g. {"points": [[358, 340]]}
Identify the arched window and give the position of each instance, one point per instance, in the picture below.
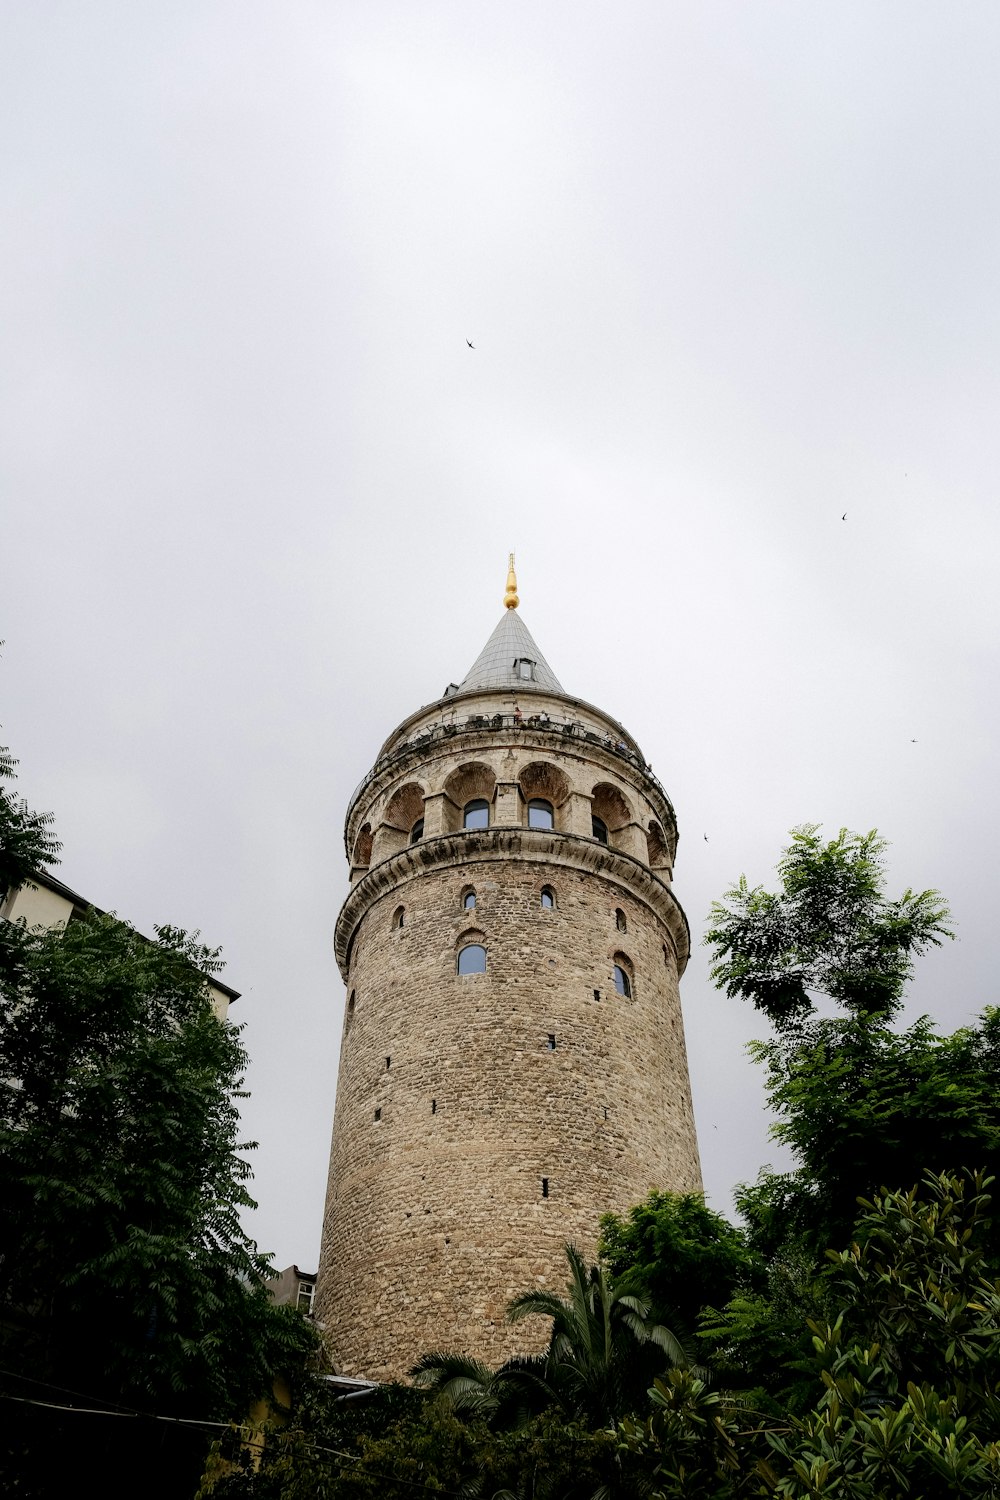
{"points": [[623, 976], [477, 814], [469, 901], [398, 917], [600, 829], [548, 897], [620, 922], [540, 814], [417, 831], [472, 959]]}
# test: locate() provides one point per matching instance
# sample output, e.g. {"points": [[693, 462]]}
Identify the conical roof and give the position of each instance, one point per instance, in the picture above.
{"points": [[498, 665]]}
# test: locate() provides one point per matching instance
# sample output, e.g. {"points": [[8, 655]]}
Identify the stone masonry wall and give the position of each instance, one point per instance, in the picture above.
{"points": [[453, 1104]]}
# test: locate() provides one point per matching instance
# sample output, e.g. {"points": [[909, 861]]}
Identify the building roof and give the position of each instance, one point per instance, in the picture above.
{"points": [[495, 666], [81, 904]]}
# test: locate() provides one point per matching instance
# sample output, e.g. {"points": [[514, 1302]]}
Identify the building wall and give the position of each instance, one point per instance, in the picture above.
{"points": [[452, 1103], [45, 902]]}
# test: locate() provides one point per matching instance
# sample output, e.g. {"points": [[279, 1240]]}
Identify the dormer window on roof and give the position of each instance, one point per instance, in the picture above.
{"points": [[524, 669]]}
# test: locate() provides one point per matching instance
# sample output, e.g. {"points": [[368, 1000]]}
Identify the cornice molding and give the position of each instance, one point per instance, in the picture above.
{"points": [[530, 846]]}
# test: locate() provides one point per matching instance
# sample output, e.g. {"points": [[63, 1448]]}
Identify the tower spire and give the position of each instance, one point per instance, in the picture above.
{"points": [[510, 598]]}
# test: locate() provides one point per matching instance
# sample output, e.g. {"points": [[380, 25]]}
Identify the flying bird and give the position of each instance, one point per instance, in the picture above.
{"points": [[470, 343], [844, 516], [913, 742], [705, 837]]}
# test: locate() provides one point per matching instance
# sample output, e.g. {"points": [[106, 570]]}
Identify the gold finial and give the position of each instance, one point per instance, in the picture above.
{"points": [[510, 598]]}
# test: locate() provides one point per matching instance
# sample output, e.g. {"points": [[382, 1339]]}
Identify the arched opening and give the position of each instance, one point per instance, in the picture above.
{"points": [[363, 846], [475, 782], [469, 900], [398, 918], [548, 898], [600, 830], [620, 921], [544, 788], [403, 813], [656, 847], [610, 809]]}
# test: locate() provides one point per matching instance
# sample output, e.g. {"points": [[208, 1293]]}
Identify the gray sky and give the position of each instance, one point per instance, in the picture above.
{"points": [[730, 270]]}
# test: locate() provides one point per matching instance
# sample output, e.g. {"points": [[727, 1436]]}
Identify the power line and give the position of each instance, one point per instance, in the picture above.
{"points": [[243, 1429]]}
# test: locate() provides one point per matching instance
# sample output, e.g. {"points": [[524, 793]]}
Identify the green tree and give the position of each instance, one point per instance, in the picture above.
{"points": [[909, 1366], [126, 1278], [677, 1255], [864, 1107], [602, 1355], [26, 840], [829, 930]]}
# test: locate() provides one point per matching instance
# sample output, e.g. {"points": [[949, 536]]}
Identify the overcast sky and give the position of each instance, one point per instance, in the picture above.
{"points": [[730, 271]]}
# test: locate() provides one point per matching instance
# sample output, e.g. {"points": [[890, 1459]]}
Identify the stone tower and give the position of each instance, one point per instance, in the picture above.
{"points": [[513, 1062]]}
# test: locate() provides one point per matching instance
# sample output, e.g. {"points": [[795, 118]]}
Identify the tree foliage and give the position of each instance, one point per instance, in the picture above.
{"points": [[27, 843], [829, 930], [120, 1173], [602, 1355], [862, 1107], [677, 1255], [126, 1279]]}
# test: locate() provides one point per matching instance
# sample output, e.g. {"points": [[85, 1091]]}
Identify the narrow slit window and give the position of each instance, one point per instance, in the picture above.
{"points": [[552, 1042], [620, 922], [545, 1187], [399, 917], [378, 1114], [434, 1106], [388, 1064]]}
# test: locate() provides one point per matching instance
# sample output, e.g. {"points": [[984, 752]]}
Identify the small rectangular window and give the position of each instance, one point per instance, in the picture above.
{"points": [[434, 1106], [388, 1063], [378, 1114], [597, 994], [552, 1041], [545, 1187]]}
